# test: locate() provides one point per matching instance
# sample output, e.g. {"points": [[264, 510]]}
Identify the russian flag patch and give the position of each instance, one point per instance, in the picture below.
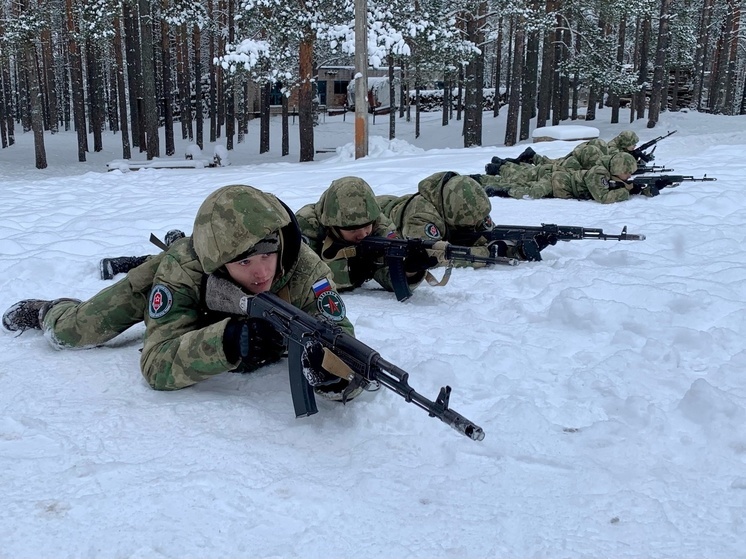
{"points": [[321, 286]]}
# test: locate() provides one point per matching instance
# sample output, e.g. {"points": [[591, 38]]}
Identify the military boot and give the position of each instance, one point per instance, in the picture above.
{"points": [[110, 267], [29, 313], [494, 167], [527, 156]]}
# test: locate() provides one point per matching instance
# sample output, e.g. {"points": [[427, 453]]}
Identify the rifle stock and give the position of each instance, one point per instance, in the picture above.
{"points": [[366, 364]]}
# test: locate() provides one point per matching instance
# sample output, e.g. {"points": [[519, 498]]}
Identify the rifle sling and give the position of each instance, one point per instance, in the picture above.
{"points": [[334, 364]]}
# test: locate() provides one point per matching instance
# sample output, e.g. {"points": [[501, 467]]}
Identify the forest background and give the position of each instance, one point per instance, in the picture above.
{"points": [[133, 67]]}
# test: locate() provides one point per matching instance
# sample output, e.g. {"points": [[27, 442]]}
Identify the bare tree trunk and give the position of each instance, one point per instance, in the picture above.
{"points": [[132, 48], [126, 154], [95, 96], [734, 19], [199, 113], [660, 86], [150, 106], [511, 126], [285, 127], [702, 52], [498, 65], [474, 82], [182, 78], [565, 79], [264, 118], [392, 100], [642, 78], [528, 89], [614, 100], [544, 103], [417, 110], [37, 119], [76, 83], [168, 98], [230, 86], [305, 98], [50, 86]]}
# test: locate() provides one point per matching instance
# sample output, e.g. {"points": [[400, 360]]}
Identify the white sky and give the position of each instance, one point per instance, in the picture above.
{"points": [[608, 378]]}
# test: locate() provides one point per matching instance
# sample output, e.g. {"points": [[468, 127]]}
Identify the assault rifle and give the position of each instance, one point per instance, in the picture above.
{"points": [[534, 239], [639, 152], [671, 181], [350, 358], [642, 169], [394, 251]]}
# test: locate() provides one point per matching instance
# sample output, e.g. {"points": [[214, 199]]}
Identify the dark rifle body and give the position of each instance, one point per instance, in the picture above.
{"points": [[663, 181], [366, 365], [394, 251], [642, 169], [639, 152], [527, 235]]}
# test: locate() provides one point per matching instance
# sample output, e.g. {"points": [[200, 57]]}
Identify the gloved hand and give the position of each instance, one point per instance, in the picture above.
{"points": [[311, 359], [253, 341], [499, 248], [634, 188], [418, 260], [543, 240], [224, 296], [651, 191]]}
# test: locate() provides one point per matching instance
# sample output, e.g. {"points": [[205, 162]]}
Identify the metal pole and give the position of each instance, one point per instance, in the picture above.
{"points": [[361, 79]]}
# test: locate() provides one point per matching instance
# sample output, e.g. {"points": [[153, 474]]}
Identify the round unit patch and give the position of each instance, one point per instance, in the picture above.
{"points": [[161, 301], [432, 231], [330, 305]]}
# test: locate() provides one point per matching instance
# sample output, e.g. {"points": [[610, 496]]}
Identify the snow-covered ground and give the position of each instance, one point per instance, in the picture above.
{"points": [[609, 378]]}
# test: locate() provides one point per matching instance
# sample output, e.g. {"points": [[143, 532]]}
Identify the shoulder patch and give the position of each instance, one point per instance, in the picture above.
{"points": [[160, 302], [432, 231], [331, 306]]}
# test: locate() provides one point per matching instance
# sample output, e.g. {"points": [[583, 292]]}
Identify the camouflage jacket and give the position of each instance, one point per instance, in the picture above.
{"points": [[437, 210], [184, 339]]}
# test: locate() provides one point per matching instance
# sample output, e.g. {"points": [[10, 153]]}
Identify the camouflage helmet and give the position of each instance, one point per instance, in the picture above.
{"points": [[465, 203], [622, 163], [233, 219], [625, 140], [348, 202]]}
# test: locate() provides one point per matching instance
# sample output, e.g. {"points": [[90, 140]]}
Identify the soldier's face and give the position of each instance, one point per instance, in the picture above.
{"points": [[356, 235], [254, 273], [624, 176]]}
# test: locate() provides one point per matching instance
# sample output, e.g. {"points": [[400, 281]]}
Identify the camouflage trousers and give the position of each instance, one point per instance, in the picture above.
{"points": [[71, 325]]}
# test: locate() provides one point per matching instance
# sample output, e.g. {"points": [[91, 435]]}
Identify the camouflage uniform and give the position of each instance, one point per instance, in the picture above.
{"points": [[348, 203], [447, 206], [596, 183], [184, 339], [625, 141], [549, 180]]}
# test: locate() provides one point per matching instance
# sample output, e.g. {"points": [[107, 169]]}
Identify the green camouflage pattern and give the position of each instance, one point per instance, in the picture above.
{"points": [[624, 141], [438, 208], [621, 163], [231, 220], [535, 183], [70, 325], [348, 202], [318, 223], [593, 184], [185, 344], [585, 156]]}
